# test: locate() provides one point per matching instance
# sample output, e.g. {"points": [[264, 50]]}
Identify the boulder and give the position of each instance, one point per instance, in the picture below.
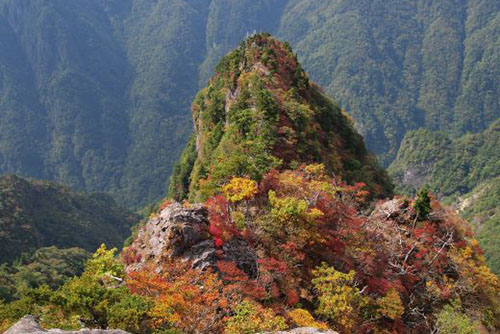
{"points": [[180, 232], [29, 325], [169, 235]]}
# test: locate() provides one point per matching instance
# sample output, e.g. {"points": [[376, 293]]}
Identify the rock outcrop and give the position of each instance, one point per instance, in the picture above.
{"points": [[29, 325], [183, 232]]}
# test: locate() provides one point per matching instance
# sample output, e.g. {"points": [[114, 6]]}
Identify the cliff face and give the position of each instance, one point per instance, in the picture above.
{"points": [[260, 111]]}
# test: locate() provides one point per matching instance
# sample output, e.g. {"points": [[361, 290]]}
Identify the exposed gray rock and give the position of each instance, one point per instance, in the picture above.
{"points": [[181, 232], [173, 232], [29, 325], [202, 255]]}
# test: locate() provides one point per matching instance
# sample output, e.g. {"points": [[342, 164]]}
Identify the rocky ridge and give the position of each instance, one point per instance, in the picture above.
{"points": [[183, 232], [260, 112]]}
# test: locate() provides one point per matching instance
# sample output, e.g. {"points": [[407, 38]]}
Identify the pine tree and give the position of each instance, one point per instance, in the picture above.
{"points": [[422, 204]]}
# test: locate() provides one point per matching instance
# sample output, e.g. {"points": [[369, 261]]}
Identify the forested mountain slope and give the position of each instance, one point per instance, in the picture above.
{"points": [[464, 171], [449, 166], [96, 94], [47, 265], [259, 112], [398, 65], [273, 238], [36, 214]]}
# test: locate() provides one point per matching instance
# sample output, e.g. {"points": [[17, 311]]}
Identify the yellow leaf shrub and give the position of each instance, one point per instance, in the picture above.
{"points": [[390, 306], [302, 318], [239, 188]]}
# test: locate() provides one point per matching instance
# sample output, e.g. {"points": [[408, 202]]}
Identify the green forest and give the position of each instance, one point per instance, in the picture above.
{"points": [[96, 94], [36, 214], [237, 166], [290, 223]]}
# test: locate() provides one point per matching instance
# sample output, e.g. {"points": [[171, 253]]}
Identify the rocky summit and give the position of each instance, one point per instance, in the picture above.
{"points": [[272, 226], [260, 111], [182, 233]]}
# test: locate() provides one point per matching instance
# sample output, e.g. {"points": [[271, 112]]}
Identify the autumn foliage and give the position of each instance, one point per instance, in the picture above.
{"points": [[322, 261], [322, 256], [393, 270]]}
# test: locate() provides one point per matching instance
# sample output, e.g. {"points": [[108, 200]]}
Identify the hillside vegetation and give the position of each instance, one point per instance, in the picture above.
{"points": [[49, 266], [278, 240], [400, 65], [36, 214], [463, 172], [261, 112], [480, 207], [96, 94], [449, 166]]}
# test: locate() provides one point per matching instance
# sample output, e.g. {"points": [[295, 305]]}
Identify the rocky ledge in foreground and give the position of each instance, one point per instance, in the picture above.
{"points": [[29, 325], [180, 232]]}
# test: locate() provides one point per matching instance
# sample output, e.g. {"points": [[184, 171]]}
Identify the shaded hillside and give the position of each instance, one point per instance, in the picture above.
{"points": [[260, 112], [480, 207], [399, 65], [463, 172], [449, 167], [96, 94], [48, 265], [36, 214]]}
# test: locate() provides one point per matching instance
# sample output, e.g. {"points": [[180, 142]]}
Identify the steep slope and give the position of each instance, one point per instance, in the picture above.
{"points": [[88, 92], [450, 167], [464, 172], [480, 207], [96, 94], [400, 65], [75, 76], [35, 214], [260, 112], [164, 41]]}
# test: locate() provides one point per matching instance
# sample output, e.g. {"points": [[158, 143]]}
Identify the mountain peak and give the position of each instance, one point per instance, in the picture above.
{"points": [[260, 112], [266, 56]]}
